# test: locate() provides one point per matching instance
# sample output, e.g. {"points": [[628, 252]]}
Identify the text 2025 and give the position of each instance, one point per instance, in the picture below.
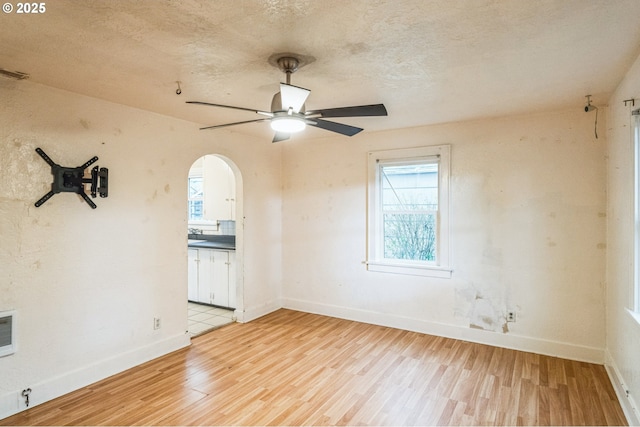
{"points": [[31, 8]]}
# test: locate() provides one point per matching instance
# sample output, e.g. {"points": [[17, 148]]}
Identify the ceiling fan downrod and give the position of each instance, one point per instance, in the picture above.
{"points": [[288, 65]]}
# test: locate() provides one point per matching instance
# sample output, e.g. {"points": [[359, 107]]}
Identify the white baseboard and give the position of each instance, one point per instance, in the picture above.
{"points": [[52, 388], [629, 406], [253, 313], [511, 341]]}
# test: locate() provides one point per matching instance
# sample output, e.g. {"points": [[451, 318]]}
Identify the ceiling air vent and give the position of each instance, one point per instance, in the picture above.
{"points": [[16, 75]]}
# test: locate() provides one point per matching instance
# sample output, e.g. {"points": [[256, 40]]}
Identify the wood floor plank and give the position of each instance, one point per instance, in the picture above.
{"points": [[293, 368]]}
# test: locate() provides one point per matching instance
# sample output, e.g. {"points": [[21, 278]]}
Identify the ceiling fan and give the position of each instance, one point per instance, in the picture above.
{"points": [[288, 114]]}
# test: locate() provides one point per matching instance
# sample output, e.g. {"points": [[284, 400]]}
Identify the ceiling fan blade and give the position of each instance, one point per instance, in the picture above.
{"points": [[235, 123], [335, 127], [357, 111], [280, 136], [293, 96], [266, 113]]}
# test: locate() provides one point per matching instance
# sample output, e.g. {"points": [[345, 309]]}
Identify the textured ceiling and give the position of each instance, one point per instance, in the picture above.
{"points": [[427, 61]]}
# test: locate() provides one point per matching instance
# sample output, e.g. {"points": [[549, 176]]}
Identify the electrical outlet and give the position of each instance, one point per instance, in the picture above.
{"points": [[156, 323], [511, 316]]}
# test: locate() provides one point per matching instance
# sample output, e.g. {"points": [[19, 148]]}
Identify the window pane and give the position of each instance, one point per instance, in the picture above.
{"points": [[196, 198], [636, 302], [410, 187], [195, 188], [409, 205], [5, 331], [410, 236], [195, 210]]}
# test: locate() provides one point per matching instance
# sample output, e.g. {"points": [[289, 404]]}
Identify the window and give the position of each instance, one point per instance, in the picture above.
{"points": [[7, 333], [408, 221], [196, 198], [636, 141]]}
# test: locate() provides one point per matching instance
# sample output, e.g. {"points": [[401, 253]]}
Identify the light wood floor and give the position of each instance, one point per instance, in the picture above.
{"points": [[291, 368]]}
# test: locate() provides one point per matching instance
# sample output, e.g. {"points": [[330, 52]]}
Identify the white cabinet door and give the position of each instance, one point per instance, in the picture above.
{"points": [[219, 189], [220, 278], [212, 273], [192, 278], [205, 276], [232, 279]]}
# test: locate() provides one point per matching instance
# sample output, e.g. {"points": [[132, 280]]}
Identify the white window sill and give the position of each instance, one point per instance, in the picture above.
{"points": [[634, 315], [410, 269]]}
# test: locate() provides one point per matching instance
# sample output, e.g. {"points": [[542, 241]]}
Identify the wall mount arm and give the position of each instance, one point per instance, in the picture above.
{"points": [[72, 180]]}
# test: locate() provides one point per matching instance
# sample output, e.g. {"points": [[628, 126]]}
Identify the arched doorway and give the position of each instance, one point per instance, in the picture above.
{"points": [[215, 227]]}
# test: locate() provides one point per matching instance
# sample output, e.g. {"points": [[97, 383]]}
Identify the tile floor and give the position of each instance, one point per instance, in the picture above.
{"points": [[204, 318]]}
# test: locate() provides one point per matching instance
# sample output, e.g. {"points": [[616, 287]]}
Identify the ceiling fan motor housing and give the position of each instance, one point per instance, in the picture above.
{"points": [[276, 104]]}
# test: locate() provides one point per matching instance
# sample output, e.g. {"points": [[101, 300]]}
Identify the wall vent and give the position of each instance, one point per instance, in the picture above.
{"points": [[7, 332], [16, 75]]}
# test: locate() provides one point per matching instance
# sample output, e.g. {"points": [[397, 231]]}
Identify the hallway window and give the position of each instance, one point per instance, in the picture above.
{"points": [[408, 211], [196, 198], [636, 141]]}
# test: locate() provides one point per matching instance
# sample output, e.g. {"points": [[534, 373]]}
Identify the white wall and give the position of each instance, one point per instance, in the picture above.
{"points": [[86, 283], [528, 234], [623, 331]]}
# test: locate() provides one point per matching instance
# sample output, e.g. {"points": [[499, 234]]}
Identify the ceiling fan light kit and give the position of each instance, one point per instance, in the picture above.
{"points": [[288, 113], [288, 124]]}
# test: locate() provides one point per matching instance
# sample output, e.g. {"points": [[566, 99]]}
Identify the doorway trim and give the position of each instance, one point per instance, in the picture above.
{"points": [[239, 207]]}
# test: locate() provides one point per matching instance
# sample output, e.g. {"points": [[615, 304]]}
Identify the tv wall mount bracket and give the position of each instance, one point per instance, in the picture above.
{"points": [[72, 180]]}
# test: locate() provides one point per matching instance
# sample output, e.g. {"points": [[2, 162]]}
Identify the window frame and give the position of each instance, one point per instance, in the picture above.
{"points": [[376, 262], [635, 297], [11, 348], [191, 199]]}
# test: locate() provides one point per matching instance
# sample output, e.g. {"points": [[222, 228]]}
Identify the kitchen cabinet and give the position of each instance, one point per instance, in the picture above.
{"points": [[212, 277], [224, 196], [219, 189], [192, 271], [232, 279]]}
